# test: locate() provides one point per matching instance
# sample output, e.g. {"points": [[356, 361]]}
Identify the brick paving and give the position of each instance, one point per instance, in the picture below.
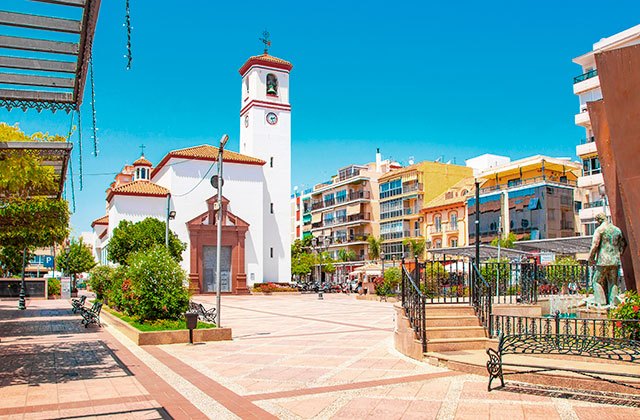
{"points": [[292, 357]]}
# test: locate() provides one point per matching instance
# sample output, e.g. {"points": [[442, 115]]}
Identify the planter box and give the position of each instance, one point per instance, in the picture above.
{"points": [[165, 337]]}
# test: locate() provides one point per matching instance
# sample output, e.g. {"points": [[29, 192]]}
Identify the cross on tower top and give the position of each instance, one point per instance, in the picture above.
{"points": [[266, 41], [142, 146]]}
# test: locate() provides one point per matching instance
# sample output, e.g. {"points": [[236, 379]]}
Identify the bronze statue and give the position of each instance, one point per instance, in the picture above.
{"points": [[606, 247]]}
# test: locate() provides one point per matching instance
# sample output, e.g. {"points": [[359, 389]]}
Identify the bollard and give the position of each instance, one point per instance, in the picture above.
{"points": [[192, 322]]}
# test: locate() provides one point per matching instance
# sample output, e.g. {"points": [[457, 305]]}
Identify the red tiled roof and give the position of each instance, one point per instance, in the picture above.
{"points": [[267, 61], [104, 220], [140, 187], [142, 161], [207, 152]]}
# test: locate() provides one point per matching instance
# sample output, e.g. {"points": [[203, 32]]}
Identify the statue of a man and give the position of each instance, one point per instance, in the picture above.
{"points": [[606, 247]]}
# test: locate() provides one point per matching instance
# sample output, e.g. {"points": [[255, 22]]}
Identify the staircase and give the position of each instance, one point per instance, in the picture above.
{"points": [[453, 327]]}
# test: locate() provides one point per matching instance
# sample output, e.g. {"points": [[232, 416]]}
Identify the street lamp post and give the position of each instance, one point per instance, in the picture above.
{"points": [[171, 214], [21, 299], [223, 142]]}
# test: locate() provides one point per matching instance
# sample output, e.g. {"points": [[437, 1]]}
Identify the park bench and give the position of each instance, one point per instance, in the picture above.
{"points": [[571, 343], [78, 304], [92, 316], [207, 315]]}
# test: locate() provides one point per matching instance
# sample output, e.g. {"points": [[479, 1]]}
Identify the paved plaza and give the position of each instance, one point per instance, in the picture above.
{"points": [[292, 357]]}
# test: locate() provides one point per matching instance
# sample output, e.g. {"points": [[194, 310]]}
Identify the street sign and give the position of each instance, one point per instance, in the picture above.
{"points": [[547, 257], [47, 261], [214, 182], [65, 288]]}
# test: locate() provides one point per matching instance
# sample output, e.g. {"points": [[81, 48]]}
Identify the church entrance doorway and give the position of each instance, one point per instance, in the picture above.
{"points": [[209, 269]]}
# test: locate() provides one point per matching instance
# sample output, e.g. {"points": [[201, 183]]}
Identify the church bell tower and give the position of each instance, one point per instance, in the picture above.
{"points": [[265, 133]]}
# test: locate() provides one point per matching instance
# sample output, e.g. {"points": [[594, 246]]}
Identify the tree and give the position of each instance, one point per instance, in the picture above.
{"points": [[326, 262], [415, 245], [507, 242], [302, 264], [346, 255], [131, 237], [11, 259], [75, 259], [375, 244]]}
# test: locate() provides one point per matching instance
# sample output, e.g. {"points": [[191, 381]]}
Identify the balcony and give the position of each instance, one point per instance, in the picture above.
{"points": [[589, 211], [436, 230], [586, 147], [591, 180], [353, 196], [527, 181], [361, 217], [585, 76], [407, 211], [582, 119], [350, 240]]}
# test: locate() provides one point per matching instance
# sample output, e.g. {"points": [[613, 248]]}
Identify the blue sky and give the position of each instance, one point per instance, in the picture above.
{"points": [[421, 79]]}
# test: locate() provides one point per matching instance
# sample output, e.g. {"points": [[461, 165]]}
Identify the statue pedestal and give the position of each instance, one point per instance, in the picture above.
{"points": [[591, 313]]}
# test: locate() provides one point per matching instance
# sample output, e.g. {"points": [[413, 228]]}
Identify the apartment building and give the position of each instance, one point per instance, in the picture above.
{"points": [[531, 197], [587, 87], [300, 214], [345, 209], [445, 216], [404, 193]]}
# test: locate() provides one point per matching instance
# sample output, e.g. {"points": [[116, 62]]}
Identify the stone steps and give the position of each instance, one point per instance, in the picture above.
{"points": [[456, 332], [452, 321], [457, 344]]}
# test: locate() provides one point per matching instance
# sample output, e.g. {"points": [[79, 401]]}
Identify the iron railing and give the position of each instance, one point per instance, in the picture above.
{"points": [[585, 76], [481, 297], [413, 302], [444, 281], [559, 325], [511, 282], [552, 278]]}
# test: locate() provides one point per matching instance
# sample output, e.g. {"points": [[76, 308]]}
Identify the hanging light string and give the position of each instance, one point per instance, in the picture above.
{"points": [[93, 108], [127, 24], [80, 147], [73, 193]]}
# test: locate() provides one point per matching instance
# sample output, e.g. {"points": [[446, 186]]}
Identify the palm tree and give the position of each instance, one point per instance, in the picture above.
{"points": [[374, 247], [345, 255], [416, 246]]}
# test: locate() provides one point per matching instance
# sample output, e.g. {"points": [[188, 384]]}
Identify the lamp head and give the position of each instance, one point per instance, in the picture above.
{"points": [[224, 140], [172, 214]]}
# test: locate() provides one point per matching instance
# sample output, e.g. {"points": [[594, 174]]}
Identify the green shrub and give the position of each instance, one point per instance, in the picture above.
{"points": [[101, 280], [53, 287], [114, 295], [393, 277], [629, 310], [154, 281]]}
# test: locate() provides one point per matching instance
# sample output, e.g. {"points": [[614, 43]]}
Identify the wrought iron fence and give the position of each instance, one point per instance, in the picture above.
{"points": [[511, 282], [444, 281], [558, 325], [481, 297], [413, 302], [553, 278]]}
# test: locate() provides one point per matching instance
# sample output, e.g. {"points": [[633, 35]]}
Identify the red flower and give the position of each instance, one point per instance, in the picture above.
{"points": [[636, 308], [619, 324]]}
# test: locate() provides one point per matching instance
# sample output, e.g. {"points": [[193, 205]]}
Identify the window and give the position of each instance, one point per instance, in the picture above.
{"points": [[391, 208], [591, 166], [453, 243], [246, 84], [391, 188], [272, 84], [437, 222], [438, 243], [271, 208], [271, 161], [453, 220], [514, 182], [271, 252], [341, 196]]}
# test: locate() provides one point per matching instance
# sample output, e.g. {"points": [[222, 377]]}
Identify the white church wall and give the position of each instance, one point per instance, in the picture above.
{"points": [[189, 182]]}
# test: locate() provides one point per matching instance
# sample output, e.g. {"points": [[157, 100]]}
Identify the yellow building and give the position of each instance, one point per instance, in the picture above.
{"points": [[445, 217], [532, 197], [404, 193]]}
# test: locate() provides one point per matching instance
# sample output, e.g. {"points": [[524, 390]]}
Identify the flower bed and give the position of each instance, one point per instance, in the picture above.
{"points": [[172, 332], [268, 288]]}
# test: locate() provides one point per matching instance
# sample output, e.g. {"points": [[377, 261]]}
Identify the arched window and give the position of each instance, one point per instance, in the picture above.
{"points": [[246, 84], [438, 243], [437, 223], [453, 242], [453, 220], [272, 84]]}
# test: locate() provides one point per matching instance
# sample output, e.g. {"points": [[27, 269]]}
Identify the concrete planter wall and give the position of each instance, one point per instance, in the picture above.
{"points": [[165, 337]]}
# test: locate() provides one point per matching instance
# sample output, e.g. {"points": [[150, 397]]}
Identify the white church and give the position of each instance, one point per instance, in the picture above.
{"points": [[257, 183]]}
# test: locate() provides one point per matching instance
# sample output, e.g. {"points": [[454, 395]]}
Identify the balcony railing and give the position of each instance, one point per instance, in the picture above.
{"points": [[585, 76], [407, 188], [593, 204], [353, 196], [344, 219], [588, 140], [415, 233], [528, 181]]}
